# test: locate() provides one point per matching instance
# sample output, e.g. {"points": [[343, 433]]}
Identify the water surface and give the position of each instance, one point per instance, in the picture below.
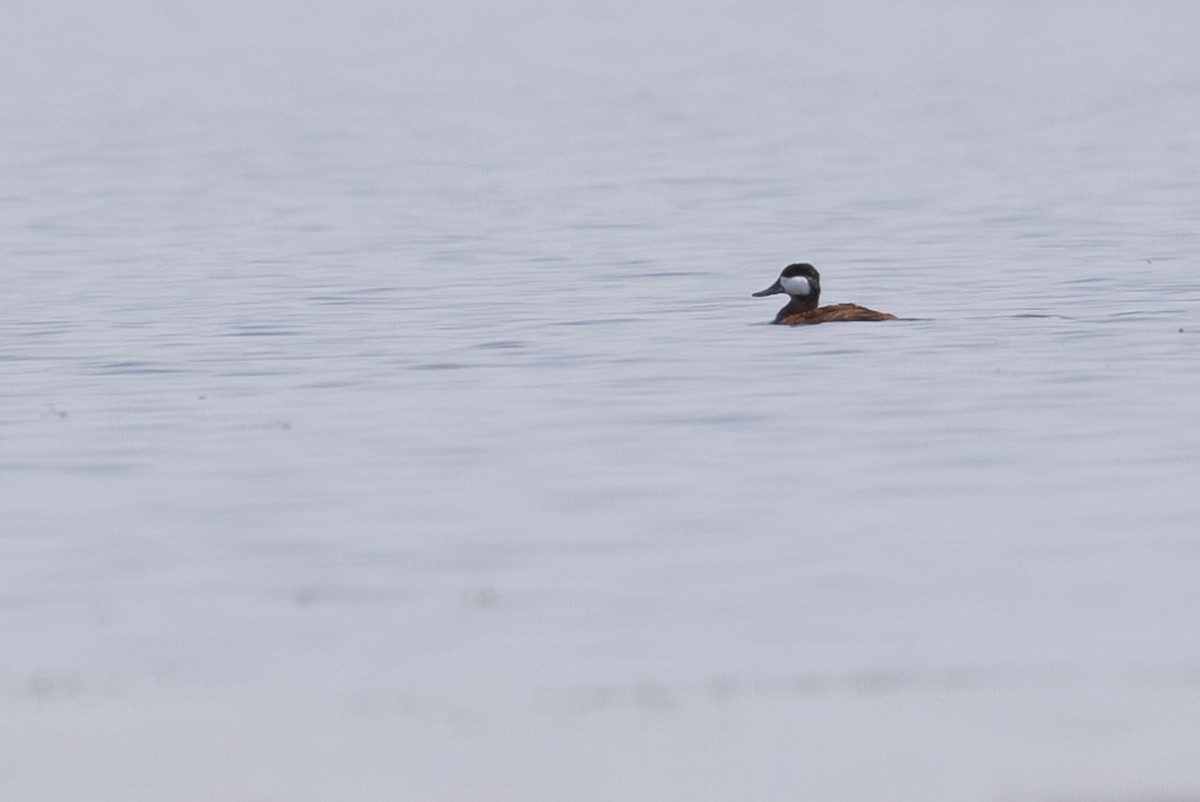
{"points": [[385, 414]]}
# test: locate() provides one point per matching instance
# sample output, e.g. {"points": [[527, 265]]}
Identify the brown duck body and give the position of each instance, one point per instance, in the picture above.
{"points": [[802, 283], [828, 314]]}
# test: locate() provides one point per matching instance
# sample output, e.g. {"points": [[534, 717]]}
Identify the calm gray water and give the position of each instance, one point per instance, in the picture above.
{"points": [[384, 414]]}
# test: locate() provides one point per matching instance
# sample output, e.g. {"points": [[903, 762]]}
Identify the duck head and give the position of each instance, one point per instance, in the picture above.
{"points": [[800, 281]]}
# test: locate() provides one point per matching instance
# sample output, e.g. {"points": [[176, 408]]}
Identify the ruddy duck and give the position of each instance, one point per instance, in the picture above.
{"points": [[803, 283]]}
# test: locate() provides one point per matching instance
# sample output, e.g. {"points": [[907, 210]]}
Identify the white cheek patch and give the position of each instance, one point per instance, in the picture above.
{"points": [[795, 285]]}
